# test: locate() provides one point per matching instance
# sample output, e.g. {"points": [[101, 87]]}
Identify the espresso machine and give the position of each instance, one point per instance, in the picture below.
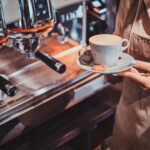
{"points": [[23, 33], [32, 21]]}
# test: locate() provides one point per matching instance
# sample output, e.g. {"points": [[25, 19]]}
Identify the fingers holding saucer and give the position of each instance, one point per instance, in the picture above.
{"points": [[124, 73], [142, 65], [138, 77]]}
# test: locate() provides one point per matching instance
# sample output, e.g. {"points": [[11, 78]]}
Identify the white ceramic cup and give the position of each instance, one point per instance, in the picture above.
{"points": [[106, 48]]}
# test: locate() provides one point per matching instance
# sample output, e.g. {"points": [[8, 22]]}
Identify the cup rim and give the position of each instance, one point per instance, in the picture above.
{"points": [[104, 44]]}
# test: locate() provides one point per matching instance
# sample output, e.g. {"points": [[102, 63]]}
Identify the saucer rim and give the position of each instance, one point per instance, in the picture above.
{"points": [[104, 72]]}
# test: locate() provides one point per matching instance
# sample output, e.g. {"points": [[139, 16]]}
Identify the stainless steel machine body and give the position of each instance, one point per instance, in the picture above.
{"points": [[36, 16]]}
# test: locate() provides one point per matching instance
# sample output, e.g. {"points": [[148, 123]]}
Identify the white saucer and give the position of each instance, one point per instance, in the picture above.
{"points": [[122, 65]]}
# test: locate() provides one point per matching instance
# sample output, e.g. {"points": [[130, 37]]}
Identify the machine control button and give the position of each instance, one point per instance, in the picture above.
{"points": [[40, 6], [44, 12], [38, 14]]}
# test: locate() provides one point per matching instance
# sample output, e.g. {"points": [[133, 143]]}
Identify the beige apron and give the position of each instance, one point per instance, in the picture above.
{"points": [[132, 124]]}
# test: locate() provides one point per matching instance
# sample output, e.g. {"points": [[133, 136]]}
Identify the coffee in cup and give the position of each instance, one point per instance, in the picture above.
{"points": [[106, 48]]}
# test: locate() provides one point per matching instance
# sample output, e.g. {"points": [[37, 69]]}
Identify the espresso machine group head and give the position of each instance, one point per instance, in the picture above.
{"points": [[36, 17], [27, 21]]}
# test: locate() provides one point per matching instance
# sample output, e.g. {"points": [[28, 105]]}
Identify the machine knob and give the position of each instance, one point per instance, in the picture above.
{"points": [[53, 63]]}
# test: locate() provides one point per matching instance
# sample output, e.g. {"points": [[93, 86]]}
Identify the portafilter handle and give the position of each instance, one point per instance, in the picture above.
{"points": [[7, 87], [53, 63]]}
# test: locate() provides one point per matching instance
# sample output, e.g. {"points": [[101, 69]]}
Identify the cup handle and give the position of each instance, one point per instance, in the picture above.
{"points": [[125, 47]]}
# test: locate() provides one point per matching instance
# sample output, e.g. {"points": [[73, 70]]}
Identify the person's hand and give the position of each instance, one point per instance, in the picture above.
{"points": [[142, 78]]}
